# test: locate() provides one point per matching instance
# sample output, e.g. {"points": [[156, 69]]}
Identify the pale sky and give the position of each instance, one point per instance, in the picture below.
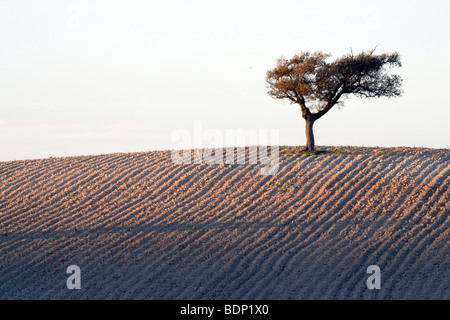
{"points": [[94, 77]]}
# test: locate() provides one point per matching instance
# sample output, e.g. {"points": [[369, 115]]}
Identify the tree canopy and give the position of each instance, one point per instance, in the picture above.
{"points": [[317, 85]]}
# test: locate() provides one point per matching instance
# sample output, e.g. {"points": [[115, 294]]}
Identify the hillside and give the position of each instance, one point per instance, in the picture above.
{"points": [[141, 227]]}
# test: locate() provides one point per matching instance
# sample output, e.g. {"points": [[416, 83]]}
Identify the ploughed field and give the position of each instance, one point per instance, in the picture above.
{"points": [[141, 227]]}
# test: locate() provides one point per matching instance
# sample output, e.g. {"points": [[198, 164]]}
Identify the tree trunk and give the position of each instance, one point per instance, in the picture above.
{"points": [[309, 135]]}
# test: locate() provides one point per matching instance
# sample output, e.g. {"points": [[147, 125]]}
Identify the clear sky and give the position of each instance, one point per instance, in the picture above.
{"points": [[93, 77]]}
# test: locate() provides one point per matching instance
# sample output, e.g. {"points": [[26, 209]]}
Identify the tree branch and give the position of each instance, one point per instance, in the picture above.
{"points": [[329, 105]]}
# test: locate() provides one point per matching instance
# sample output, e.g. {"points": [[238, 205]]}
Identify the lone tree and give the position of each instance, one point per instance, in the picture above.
{"points": [[317, 85]]}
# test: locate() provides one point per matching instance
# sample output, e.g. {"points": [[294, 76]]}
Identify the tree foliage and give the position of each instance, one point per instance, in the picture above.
{"points": [[317, 85]]}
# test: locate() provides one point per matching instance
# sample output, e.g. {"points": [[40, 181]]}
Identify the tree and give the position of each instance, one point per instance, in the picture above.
{"points": [[317, 85]]}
